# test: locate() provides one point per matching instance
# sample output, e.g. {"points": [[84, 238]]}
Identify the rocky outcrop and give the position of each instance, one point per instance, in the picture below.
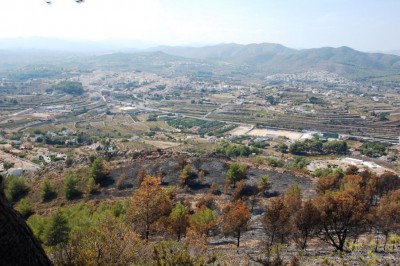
{"points": [[18, 245]]}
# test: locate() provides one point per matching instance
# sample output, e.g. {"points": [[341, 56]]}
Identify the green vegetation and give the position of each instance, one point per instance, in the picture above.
{"points": [[374, 149], [7, 165], [25, 208], [47, 191], [316, 146], [236, 150], [57, 230], [336, 147], [327, 171], [264, 184], [259, 144], [185, 175], [70, 186], [15, 188], [90, 225], [236, 173], [203, 220], [69, 87], [34, 72], [179, 219], [153, 213], [274, 162], [299, 162], [283, 148], [97, 171]]}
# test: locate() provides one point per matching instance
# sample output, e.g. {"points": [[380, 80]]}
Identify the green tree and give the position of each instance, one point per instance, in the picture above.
{"points": [[178, 219], [91, 186], [283, 148], [274, 162], [203, 220], [25, 208], [16, 188], [97, 171], [338, 147], [185, 175], [70, 87], [70, 189], [264, 184], [236, 173], [47, 191], [57, 230], [298, 148]]}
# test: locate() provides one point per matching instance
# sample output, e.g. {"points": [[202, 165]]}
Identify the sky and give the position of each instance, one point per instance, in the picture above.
{"points": [[366, 25]]}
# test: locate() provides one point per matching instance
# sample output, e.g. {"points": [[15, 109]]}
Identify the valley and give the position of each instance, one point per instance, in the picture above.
{"points": [[105, 128]]}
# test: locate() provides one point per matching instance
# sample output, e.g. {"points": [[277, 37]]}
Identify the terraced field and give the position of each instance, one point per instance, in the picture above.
{"points": [[339, 122]]}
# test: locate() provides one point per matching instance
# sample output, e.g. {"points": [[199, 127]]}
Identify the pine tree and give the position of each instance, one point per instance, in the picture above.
{"points": [[148, 204], [185, 175], [70, 184], [178, 219], [236, 173], [47, 192], [97, 171], [57, 231], [203, 220], [236, 218]]}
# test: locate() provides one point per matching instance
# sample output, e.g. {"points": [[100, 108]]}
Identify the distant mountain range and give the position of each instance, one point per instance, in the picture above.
{"points": [[395, 52], [278, 58], [263, 58]]}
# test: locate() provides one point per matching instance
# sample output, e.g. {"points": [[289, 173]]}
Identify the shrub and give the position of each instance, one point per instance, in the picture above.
{"points": [[274, 162], [264, 184], [299, 162]]}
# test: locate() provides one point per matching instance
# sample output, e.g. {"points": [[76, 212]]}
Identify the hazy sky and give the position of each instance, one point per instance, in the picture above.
{"points": [[366, 25]]}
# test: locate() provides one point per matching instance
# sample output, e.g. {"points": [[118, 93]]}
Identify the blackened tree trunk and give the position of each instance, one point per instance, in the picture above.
{"points": [[18, 245], [238, 238]]}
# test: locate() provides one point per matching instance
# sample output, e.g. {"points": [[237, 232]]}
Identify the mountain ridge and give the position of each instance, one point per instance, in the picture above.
{"points": [[257, 58], [278, 58]]}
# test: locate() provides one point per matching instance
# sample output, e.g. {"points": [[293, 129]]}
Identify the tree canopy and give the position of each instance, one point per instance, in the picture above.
{"points": [[236, 173], [69, 87]]}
